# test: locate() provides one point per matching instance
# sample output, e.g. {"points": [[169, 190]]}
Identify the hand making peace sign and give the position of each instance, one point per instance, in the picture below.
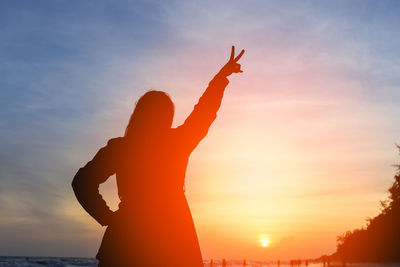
{"points": [[232, 66]]}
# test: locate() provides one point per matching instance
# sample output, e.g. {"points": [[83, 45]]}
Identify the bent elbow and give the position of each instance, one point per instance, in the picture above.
{"points": [[77, 181], [74, 183]]}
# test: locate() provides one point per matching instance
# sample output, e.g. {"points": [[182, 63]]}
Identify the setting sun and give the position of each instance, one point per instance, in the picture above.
{"points": [[265, 242]]}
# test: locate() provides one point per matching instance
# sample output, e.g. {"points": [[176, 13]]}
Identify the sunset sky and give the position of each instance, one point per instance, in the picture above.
{"points": [[301, 151]]}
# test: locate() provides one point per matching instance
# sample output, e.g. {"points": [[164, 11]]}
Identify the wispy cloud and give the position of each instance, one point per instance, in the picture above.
{"points": [[321, 80]]}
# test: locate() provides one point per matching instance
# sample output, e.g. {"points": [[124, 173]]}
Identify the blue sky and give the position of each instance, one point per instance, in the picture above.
{"points": [[71, 72]]}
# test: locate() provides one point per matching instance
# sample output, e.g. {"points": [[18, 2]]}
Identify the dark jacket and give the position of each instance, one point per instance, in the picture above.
{"points": [[153, 225]]}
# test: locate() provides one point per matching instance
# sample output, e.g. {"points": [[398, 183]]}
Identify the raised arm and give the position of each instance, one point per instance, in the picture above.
{"points": [[87, 180], [204, 113]]}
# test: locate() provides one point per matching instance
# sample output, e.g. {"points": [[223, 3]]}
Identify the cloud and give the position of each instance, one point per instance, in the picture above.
{"points": [[72, 71]]}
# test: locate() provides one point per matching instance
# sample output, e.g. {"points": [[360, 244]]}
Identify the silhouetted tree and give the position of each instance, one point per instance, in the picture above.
{"points": [[380, 239]]}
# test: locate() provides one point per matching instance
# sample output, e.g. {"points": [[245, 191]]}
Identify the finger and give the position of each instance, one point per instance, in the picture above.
{"points": [[237, 68], [232, 53], [239, 56]]}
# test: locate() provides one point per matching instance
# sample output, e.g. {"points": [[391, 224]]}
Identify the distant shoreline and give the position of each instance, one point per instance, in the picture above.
{"points": [[91, 262]]}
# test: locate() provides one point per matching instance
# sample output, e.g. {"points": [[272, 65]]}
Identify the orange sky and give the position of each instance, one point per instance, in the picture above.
{"points": [[293, 157]]}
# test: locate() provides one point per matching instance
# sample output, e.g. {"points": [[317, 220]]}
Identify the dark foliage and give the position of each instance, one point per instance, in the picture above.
{"points": [[379, 241]]}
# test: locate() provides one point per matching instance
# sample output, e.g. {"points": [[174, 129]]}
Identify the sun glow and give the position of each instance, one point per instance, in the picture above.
{"points": [[265, 241]]}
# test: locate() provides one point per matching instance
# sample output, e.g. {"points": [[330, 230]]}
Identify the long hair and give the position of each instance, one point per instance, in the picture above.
{"points": [[154, 111]]}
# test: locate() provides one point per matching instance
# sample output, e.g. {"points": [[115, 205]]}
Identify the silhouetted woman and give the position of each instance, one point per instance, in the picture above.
{"points": [[153, 225]]}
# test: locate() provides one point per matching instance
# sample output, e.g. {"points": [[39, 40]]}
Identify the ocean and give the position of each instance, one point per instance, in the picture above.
{"points": [[85, 262]]}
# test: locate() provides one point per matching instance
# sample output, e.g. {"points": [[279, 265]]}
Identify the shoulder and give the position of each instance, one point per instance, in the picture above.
{"points": [[114, 142], [175, 135], [182, 138], [113, 146], [176, 132]]}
